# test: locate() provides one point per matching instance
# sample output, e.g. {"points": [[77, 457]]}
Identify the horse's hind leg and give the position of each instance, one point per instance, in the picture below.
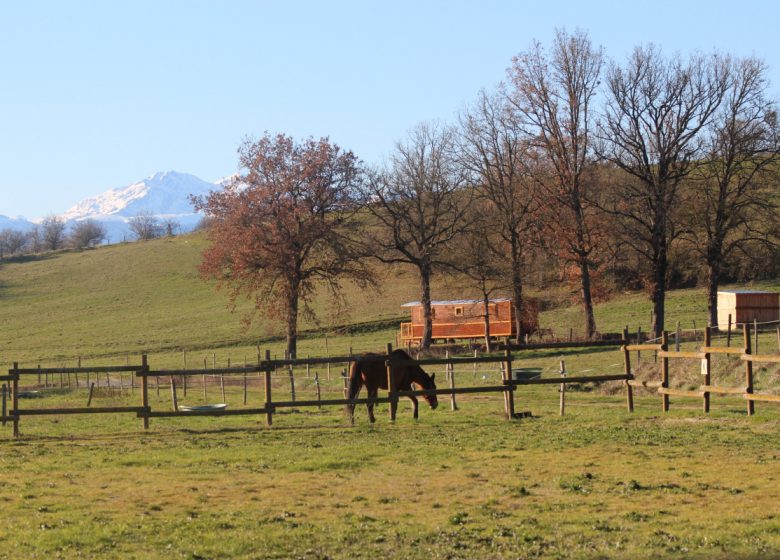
{"points": [[372, 395]]}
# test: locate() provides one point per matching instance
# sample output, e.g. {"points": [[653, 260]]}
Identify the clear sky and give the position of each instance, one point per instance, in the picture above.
{"points": [[96, 95]]}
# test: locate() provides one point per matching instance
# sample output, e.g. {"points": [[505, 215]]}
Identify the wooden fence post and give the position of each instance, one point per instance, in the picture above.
{"points": [[748, 369], [451, 379], [627, 370], [677, 337], [562, 371], [15, 399], [755, 328], [4, 410], [707, 368], [268, 401], [292, 377], [174, 399], [728, 333], [317, 385], [391, 388], [510, 394], [145, 390], [91, 391], [638, 341], [665, 370]]}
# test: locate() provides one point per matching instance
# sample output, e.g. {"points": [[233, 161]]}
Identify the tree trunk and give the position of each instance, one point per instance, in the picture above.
{"points": [[587, 299], [713, 281], [658, 287], [292, 322], [486, 300], [425, 284], [517, 288]]}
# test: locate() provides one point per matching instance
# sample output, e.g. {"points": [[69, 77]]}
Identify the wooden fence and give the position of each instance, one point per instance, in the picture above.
{"points": [[265, 368], [704, 356]]}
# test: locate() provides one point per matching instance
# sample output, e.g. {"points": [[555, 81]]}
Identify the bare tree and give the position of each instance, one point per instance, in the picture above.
{"points": [[553, 94], [420, 206], [498, 158], [34, 239], [732, 198], [53, 233], [145, 225], [171, 227], [655, 111], [11, 242], [286, 226], [478, 257], [87, 233]]}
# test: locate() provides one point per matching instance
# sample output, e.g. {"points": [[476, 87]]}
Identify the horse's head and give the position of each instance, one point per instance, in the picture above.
{"points": [[430, 384]]}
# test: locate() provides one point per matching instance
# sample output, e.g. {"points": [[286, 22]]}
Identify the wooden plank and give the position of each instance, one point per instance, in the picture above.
{"points": [[457, 390], [193, 372], [95, 369], [223, 412], [450, 361], [8, 418], [555, 380], [723, 390], [85, 410], [639, 347], [768, 358], [721, 350], [555, 345], [679, 393], [7, 377], [761, 397], [325, 402], [682, 355], [645, 384]]}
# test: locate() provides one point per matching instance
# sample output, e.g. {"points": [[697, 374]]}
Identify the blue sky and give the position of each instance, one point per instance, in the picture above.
{"points": [[96, 95]]}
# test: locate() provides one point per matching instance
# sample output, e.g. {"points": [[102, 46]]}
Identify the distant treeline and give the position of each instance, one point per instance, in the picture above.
{"points": [[53, 234]]}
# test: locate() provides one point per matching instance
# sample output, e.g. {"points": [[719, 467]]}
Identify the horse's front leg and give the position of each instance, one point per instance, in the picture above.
{"points": [[372, 395], [415, 406]]}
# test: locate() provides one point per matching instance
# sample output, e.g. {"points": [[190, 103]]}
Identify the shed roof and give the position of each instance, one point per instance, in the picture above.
{"points": [[454, 302], [745, 292]]}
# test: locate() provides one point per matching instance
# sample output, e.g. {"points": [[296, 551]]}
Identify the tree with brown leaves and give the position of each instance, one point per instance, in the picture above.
{"points": [[285, 226], [552, 94]]}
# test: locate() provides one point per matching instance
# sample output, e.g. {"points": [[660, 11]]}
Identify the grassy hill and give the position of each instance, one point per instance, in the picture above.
{"points": [[147, 297]]}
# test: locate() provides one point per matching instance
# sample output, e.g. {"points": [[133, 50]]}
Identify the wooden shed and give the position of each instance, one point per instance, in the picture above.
{"points": [[746, 305], [464, 319]]}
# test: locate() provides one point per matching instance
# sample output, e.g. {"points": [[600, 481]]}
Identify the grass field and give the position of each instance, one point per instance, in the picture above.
{"points": [[597, 482]]}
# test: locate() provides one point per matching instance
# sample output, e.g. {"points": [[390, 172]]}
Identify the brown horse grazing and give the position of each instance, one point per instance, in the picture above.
{"points": [[370, 370]]}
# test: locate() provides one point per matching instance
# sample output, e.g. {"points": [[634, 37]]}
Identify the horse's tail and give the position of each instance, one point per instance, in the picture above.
{"points": [[355, 383]]}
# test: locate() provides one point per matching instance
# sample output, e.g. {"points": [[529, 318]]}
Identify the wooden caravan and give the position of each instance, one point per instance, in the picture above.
{"points": [[464, 319], [744, 306]]}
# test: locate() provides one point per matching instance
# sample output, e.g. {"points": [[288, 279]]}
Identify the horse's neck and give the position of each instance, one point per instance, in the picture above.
{"points": [[420, 378]]}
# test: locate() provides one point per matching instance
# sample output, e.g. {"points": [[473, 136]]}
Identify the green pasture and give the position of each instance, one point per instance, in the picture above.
{"points": [[596, 482]]}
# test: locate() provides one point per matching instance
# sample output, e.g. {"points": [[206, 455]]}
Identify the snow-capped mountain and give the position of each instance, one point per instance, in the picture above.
{"points": [[164, 195], [18, 223], [161, 194]]}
